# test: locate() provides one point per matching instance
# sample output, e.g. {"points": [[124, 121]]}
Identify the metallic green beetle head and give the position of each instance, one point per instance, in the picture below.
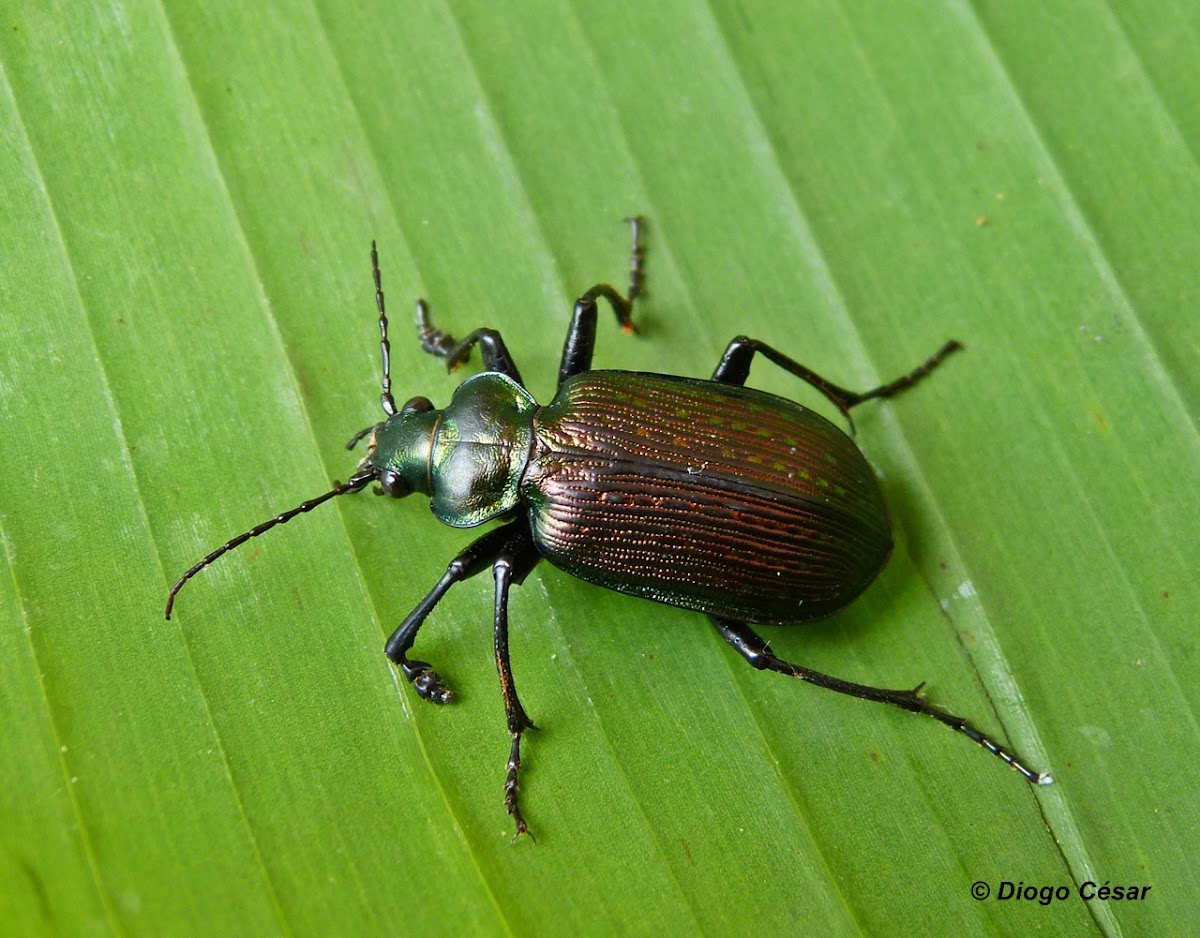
{"points": [[468, 458], [400, 448]]}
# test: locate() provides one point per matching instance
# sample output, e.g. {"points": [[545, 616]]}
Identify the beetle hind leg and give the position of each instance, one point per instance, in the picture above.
{"points": [[758, 654], [734, 368]]}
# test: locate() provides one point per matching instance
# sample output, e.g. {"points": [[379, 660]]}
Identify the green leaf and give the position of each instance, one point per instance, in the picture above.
{"points": [[189, 337]]}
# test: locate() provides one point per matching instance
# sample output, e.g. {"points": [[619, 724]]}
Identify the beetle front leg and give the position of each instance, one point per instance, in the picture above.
{"points": [[734, 368], [478, 556], [757, 652], [512, 565], [437, 343], [441, 344]]}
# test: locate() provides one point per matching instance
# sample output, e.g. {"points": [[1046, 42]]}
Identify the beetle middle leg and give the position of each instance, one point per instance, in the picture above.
{"points": [[581, 336], [734, 368], [757, 652], [512, 565]]}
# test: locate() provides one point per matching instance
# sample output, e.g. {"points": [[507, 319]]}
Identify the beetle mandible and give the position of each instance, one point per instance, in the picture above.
{"points": [[707, 495]]}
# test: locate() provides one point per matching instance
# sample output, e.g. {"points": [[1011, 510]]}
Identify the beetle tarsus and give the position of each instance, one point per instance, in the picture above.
{"points": [[427, 682], [962, 726], [437, 342], [908, 380], [510, 789], [637, 257]]}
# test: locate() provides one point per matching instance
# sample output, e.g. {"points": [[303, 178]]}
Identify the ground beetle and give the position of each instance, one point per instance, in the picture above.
{"points": [[703, 494]]}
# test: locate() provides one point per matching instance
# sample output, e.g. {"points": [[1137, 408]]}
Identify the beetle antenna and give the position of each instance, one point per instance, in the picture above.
{"points": [[385, 397], [355, 483]]}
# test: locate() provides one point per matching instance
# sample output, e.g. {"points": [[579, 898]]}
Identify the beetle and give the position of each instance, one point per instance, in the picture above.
{"points": [[708, 495]]}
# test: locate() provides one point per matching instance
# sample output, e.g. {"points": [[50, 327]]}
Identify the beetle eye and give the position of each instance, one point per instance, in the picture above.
{"points": [[416, 405], [393, 483]]}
